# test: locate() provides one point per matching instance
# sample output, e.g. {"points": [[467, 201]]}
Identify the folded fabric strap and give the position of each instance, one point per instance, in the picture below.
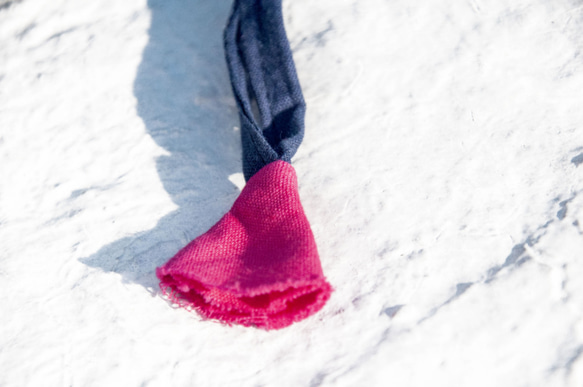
{"points": [[259, 265], [262, 69]]}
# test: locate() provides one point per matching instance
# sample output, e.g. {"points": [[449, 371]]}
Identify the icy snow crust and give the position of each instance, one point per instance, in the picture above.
{"points": [[441, 174]]}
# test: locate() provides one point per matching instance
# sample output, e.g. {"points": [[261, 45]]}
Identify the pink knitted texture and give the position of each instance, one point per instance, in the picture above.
{"points": [[258, 266]]}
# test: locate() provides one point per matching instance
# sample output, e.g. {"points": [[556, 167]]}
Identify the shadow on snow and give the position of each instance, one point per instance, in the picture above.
{"points": [[185, 100]]}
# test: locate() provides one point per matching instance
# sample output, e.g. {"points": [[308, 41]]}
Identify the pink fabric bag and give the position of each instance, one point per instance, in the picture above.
{"points": [[259, 265]]}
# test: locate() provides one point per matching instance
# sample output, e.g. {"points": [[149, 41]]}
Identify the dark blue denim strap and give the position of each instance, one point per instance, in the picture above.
{"points": [[262, 69]]}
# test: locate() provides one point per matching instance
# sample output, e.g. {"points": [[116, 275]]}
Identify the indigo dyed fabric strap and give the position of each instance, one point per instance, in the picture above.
{"points": [[259, 265], [261, 67]]}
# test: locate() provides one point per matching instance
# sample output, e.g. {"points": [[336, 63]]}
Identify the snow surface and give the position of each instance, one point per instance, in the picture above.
{"points": [[441, 172]]}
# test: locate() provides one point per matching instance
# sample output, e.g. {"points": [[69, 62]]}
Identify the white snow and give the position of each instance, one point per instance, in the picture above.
{"points": [[441, 172]]}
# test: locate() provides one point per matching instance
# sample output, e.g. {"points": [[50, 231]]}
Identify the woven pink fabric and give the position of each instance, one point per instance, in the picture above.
{"points": [[258, 266]]}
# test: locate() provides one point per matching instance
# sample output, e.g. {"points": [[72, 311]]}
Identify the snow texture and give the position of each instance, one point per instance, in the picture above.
{"points": [[441, 173]]}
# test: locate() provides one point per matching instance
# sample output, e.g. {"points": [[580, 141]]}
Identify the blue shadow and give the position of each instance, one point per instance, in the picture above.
{"points": [[184, 98]]}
